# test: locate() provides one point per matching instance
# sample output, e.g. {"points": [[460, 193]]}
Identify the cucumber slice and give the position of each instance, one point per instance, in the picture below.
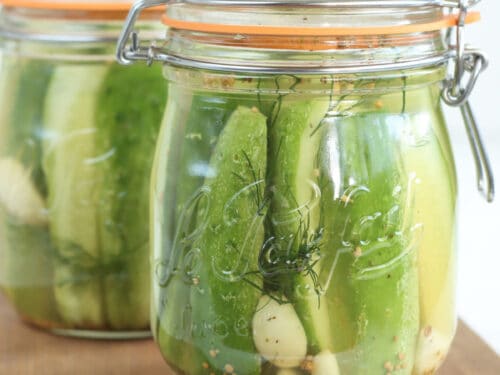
{"points": [[128, 122], [222, 301], [373, 297], [295, 137], [198, 120], [74, 179]]}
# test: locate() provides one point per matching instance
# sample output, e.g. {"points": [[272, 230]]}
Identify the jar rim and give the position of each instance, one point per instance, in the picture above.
{"points": [[315, 18], [447, 21]]}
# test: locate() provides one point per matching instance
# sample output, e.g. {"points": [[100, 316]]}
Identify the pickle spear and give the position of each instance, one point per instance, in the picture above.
{"points": [[295, 213], [204, 118], [97, 161], [426, 151], [373, 292], [200, 130], [74, 181], [222, 300], [127, 121], [435, 197]]}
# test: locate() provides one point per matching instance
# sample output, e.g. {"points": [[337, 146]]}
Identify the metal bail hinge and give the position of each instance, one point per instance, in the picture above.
{"points": [[126, 53], [456, 93]]}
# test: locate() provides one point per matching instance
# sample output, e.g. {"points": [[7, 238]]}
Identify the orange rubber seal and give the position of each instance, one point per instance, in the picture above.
{"points": [[74, 5], [444, 23], [316, 43]]}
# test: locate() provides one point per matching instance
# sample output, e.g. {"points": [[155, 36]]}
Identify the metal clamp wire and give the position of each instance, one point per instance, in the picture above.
{"points": [[474, 62], [484, 174], [128, 29]]}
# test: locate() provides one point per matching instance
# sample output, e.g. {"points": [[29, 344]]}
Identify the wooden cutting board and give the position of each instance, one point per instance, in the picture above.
{"points": [[28, 351]]}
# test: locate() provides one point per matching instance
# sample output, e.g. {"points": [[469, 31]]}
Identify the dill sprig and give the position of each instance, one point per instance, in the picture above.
{"points": [[280, 278]]}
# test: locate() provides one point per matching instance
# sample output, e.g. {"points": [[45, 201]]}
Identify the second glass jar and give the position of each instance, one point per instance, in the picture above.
{"points": [[76, 149]]}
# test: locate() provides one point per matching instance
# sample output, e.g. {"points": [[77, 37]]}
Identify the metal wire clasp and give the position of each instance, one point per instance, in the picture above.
{"points": [[127, 54], [456, 93]]}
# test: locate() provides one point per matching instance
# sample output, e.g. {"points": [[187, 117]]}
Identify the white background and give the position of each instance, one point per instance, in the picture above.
{"points": [[479, 222]]}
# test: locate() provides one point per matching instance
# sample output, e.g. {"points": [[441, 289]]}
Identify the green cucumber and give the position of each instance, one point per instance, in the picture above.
{"points": [[435, 196], [293, 142], [373, 293], [199, 131], [26, 250], [128, 121], [98, 162], [293, 174], [162, 219], [222, 301], [74, 181]]}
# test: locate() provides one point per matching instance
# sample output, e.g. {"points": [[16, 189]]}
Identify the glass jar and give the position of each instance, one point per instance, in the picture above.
{"points": [[77, 132], [304, 188]]}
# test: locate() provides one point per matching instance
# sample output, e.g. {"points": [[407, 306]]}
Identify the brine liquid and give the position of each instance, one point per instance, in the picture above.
{"points": [[348, 230]]}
